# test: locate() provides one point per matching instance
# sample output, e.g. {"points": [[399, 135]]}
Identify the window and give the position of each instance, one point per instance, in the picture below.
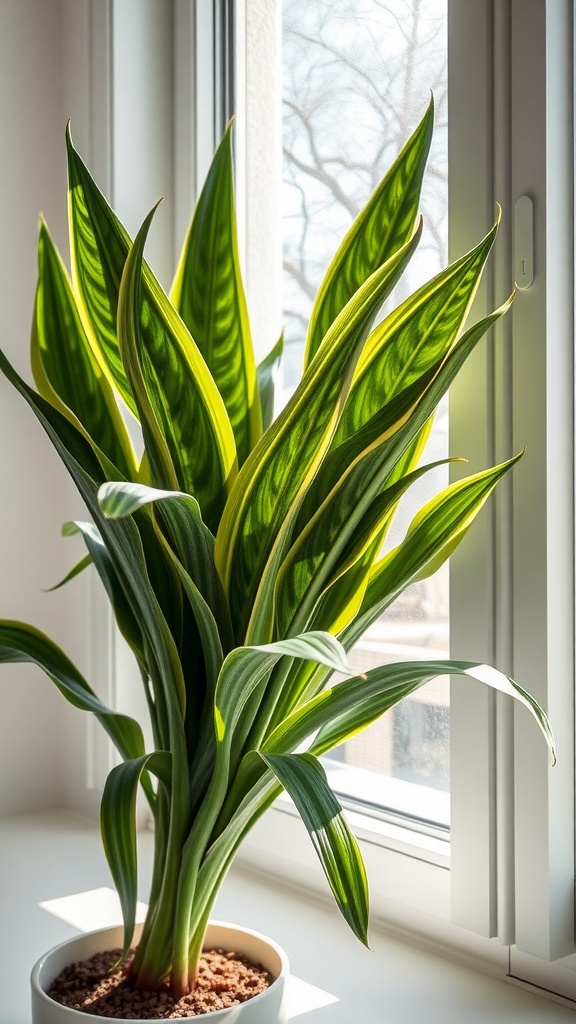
{"points": [[356, 81], [511, 863]]}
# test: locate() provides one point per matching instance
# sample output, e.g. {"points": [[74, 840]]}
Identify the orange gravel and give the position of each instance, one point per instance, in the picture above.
{"points": [[224, 979]]}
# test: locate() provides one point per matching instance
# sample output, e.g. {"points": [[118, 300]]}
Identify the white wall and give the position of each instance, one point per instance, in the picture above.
{"points": [[35, 496], [109, 65]]}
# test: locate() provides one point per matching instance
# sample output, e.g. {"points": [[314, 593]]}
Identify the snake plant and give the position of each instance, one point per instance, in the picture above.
{"points": [[242, 555]]}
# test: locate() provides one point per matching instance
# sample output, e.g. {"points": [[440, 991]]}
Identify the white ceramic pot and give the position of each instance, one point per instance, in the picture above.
{"points": [[266, 1008]]}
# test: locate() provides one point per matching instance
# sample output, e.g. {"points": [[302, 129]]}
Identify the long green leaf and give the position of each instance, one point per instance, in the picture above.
{"points": [[124, 545], [393, 418], [361, 483], [244, 673], [118, 827], [412, 339], [399, 362], [98, 248], [209, 295], [383, 226], [432, 536], [64, 366], [268, 489], [346, 708], [187, 433], [186, 401], [22, 643], [189, 546], [159, 451], [304, 779], [323, 552], [343, 597]]}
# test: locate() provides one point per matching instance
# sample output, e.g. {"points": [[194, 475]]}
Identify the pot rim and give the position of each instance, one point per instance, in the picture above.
{"points": [[68, 1010]]}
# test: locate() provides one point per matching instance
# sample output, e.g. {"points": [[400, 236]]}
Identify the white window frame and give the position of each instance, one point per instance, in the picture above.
{"points": [[512, 585], [519, 843]]}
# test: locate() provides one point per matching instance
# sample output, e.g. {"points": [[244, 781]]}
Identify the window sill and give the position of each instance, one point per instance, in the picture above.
{"points": [[50, 855]]}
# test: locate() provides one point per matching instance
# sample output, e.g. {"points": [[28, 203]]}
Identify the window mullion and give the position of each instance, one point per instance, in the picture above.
{"points": [[259, 164], [503, 448], [542, 167], [472, 718]]}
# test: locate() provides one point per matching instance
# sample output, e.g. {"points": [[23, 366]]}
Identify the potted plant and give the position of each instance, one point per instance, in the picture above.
{"points": [[241, 554]]}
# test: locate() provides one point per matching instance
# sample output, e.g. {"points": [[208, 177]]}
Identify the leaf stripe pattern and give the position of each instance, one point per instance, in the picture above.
{"points": [[383, 226], [187, 404], [360, 484], [411, 340], [98, 249], [209, 295], [323, 550], [285, 460], [62, 360], [304, 779]]}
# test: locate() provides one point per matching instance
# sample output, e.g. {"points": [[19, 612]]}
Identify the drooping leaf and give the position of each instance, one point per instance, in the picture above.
{"points": [[191, 539], [209, 295], [246, 670], [118, 827], [242, 677], [304, 779], [20, 642], [348, 707], [124, 546]]}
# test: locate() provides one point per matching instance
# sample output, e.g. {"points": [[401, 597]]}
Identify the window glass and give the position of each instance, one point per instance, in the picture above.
{"points": [[357, 76]]}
